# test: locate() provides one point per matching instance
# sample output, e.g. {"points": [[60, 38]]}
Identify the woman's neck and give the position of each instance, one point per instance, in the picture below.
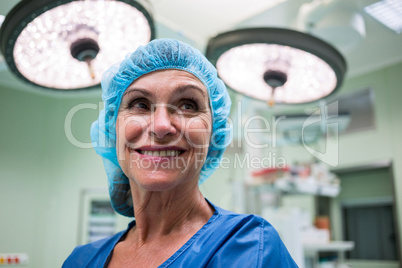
{"points": [[159, 214]]}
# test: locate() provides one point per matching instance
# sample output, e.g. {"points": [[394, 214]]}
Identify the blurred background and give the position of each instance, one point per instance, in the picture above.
{"points": [[327, 173]]}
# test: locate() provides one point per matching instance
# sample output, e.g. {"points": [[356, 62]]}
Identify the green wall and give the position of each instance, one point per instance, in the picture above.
{"points": [[382, 143], [42, 174]]}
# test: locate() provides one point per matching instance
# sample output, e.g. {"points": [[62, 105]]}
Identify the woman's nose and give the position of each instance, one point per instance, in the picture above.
{"points": [[161, 123]]}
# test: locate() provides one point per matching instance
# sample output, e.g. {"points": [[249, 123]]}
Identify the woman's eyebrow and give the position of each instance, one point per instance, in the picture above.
{"points": [[183, 88], [144, 92], [179, 89]]}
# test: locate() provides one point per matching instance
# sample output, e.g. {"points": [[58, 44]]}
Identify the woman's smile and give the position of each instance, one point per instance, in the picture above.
{"points": [[160, 152]]}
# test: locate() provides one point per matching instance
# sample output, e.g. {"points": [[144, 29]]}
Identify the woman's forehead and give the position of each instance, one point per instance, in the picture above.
{"points": [[172, 76]]}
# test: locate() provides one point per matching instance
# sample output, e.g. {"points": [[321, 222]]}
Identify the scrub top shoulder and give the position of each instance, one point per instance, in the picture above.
{"points": [[228, 239]]}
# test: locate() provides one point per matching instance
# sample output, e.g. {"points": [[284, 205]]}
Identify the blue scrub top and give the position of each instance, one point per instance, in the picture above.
{"points": [[228, 239]]}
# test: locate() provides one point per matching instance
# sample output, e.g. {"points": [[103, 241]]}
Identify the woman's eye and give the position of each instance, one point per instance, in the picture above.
{"points": [[139, 104], [188, 105]]}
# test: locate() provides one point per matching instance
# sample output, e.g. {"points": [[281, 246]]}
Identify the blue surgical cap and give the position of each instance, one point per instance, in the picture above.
{"points": [[159, 54]]}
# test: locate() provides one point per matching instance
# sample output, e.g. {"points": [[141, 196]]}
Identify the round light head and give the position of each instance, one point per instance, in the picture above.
{"points": [[299, 67], [68, 45]]}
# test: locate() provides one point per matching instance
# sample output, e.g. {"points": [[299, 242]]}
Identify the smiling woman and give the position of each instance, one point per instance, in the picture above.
{"points": [[163, 132]]}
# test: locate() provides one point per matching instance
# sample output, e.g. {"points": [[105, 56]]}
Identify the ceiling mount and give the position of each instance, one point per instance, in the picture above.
{"points": [[277, 65], [275, 78], [84, 49], [66, 44]]}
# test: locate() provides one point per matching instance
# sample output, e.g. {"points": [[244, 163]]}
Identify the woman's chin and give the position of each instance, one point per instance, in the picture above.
{"points": [[160, 180]]}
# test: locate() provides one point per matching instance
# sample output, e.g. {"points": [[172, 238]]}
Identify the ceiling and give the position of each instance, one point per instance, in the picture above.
{"points": [[197, 21]]}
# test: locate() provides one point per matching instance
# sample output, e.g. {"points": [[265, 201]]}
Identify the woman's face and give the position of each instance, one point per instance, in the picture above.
{"points": [[163, 130]]}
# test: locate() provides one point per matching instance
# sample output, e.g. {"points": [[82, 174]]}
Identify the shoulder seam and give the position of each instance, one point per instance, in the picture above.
{"points": [[261, 249]]}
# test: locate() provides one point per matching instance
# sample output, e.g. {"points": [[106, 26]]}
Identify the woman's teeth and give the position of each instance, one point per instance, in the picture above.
{"points": [[161, 153]]}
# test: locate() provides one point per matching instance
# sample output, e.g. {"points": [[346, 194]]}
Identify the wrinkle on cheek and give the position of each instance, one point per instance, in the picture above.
{"points": [[130, 129], [199, 131]]}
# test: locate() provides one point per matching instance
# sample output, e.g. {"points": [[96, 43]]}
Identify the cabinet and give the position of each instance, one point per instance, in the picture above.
{"points": [[312, 252]]}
